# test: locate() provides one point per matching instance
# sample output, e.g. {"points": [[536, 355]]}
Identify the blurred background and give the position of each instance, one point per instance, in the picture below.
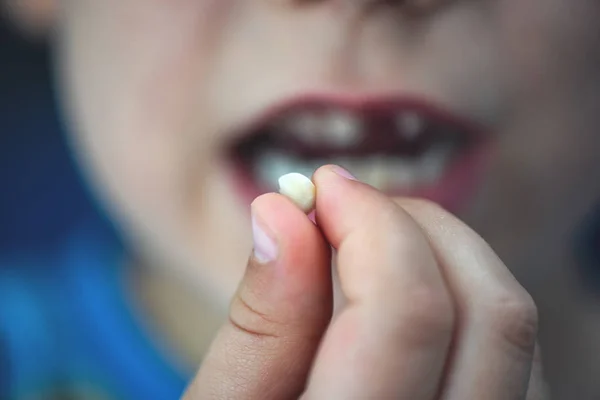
{"points": [[41, 195]]}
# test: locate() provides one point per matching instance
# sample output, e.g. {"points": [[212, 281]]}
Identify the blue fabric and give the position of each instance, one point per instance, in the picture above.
{"points": [[67, 326], [67, 329]]}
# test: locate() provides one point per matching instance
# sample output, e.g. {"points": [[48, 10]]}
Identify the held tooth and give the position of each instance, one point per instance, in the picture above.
{"points": [[409, 124], [343, 129], [298, 188]]}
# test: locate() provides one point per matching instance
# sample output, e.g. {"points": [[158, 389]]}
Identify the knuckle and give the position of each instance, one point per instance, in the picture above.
{"points": [[247, 318], [514, 317]]}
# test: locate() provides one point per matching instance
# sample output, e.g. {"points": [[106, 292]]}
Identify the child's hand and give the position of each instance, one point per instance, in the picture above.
{"points": [[432, 312]]}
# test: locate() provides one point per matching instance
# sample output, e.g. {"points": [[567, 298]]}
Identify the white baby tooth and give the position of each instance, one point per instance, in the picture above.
{"points": [[343, 129], [299, 189], [409, 124]]}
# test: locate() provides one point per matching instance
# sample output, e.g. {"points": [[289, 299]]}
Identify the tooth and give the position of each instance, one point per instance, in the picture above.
{"points": [[433, 163], [378, 174], [272, 165], [298, 188], [306, 126], [403, 173], [409, 124], [343, 129]]}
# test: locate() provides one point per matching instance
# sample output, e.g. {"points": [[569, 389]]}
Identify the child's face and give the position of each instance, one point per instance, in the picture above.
{"points": [[162, 93]]}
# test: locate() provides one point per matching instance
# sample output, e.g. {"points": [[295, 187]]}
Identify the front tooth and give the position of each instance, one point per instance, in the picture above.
{"points": [[409, 124], [306, 126], [343, 129]]}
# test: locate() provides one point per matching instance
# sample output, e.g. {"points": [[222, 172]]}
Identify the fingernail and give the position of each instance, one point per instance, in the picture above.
{"points": [[265, 246], [313, 217], [343, 173]]}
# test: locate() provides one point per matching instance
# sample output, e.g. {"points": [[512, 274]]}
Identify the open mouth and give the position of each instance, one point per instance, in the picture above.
{"points": [[404, 148]]}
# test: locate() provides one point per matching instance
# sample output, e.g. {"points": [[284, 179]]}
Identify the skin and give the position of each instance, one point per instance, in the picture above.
{"points": [[152, 89], [457, 325]]}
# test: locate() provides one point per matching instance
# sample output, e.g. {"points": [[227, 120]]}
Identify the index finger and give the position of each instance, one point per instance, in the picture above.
{"points": [[391, 340]]}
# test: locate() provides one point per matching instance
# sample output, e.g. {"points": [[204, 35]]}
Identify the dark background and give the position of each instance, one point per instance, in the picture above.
{"points": [[41, 196]]}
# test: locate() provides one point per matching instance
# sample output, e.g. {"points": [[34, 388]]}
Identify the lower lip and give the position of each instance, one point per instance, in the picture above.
{"points": [[453, 190]]}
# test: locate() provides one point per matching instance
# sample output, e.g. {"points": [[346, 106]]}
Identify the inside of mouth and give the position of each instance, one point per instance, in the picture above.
{"points": [[395, 152]]}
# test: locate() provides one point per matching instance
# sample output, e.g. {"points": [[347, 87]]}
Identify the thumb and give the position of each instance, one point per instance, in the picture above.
{"points": [[278, 315]]}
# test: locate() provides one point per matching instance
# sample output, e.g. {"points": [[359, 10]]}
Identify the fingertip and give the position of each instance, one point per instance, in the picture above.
{"points": [[302, 251], [332, 171], [337, 170], [331, 183], [283, 218], [343, 202]]}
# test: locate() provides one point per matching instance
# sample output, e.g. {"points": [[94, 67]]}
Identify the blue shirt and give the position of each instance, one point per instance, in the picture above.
{"points": [[66, 328]]}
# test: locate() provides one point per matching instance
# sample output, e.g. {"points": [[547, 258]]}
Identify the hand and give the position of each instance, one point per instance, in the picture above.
{"points": [[432, 313]]}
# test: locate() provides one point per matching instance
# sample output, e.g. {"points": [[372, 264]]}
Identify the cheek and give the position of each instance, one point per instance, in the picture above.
{"points": [[136, 71], [552, 45], [467, 66], [543, 181]]}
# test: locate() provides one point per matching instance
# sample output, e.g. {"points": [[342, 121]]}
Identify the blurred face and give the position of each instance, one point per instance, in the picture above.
{"points": [[185, 110]]}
